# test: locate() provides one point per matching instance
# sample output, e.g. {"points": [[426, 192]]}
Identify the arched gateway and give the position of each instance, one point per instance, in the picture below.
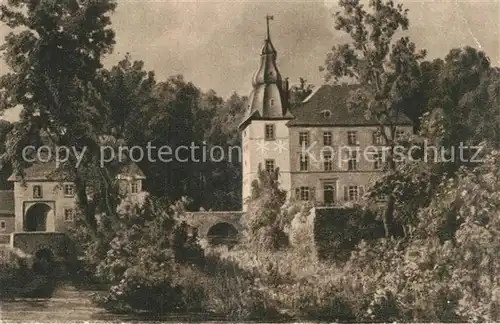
{"points": [[35, 219]]}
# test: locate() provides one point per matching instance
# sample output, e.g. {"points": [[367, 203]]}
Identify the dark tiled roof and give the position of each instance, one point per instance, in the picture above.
{"points": [[132, 169], [39, 172], [47, 171], [333, 98], [7, 202]]}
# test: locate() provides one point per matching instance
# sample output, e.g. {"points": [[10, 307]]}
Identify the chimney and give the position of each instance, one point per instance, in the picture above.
{"points": [[286, 91]]}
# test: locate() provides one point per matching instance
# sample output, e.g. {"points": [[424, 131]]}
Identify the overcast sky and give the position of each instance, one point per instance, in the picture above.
{"points": [[216, 44]]}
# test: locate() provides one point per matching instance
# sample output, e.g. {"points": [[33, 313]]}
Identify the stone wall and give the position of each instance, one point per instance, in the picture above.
{"points": [[4, 239], [9, 222], [205, 220], [31, 242]]}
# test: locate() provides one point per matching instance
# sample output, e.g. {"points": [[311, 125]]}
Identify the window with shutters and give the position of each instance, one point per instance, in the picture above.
{"points": [[304, 139], [135, 187], [327, 161], [304, 162], [377, 138], [303, 193], [269, 132], [269, 165], [69, 190], [377, 161], [352, 138], [327, 138], [69, 214], [352, 163], [400, 135], [37, 191], [353, 193]]}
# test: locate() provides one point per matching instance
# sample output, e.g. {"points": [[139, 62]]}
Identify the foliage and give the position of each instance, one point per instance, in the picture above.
{"points": [[262, 221], [386, 69], [464, 99], [20, 278], [446, 271], [155, 265], [175, 113], [338, 231], [54, 52], [300, 92]]}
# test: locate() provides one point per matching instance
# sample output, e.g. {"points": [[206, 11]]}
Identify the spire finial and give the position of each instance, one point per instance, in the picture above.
{"points": [[268, 17]]}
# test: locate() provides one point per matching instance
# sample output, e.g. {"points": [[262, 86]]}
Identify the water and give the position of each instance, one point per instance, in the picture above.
{"points": [[69, 305]]}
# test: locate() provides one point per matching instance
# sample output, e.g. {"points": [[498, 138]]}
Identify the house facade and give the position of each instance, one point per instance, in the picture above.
{"points": [[326, 151], [42, 202]]}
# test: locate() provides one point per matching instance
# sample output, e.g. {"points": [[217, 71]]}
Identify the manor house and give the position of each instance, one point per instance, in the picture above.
{"points": [[295, 140], [274, 135]]}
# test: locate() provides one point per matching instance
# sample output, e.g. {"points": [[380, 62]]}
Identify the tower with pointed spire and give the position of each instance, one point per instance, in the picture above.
{"points": [[308, 143], [269, 96], [264, 130]]}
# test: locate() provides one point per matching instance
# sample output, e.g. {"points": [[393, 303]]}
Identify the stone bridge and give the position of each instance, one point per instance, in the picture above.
{"points": [[32, 243], [216, 225]]}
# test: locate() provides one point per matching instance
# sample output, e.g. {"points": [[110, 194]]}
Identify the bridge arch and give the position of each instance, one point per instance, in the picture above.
{"points": [[223, 233]]}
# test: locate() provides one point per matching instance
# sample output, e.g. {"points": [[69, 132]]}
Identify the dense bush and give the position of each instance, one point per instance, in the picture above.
{"points": [[154, 265], [338, 231], [424, 277], [19, 278]]}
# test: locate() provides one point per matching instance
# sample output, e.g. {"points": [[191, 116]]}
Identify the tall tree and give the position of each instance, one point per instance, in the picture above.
{"points": [[387, 69], [127, 92], [54, 52], [300, 92], [466, 98]]}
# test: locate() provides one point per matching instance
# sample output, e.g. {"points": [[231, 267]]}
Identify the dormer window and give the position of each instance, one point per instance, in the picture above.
{"points": [[326, 113]]}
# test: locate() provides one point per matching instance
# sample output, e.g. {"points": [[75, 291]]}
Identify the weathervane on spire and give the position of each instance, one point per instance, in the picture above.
{"points": [[268, 17]]}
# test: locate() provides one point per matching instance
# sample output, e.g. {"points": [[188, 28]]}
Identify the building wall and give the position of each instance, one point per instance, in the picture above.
{"points": [[9, 222], [52, 195], [256, 150], [340, 177]]}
